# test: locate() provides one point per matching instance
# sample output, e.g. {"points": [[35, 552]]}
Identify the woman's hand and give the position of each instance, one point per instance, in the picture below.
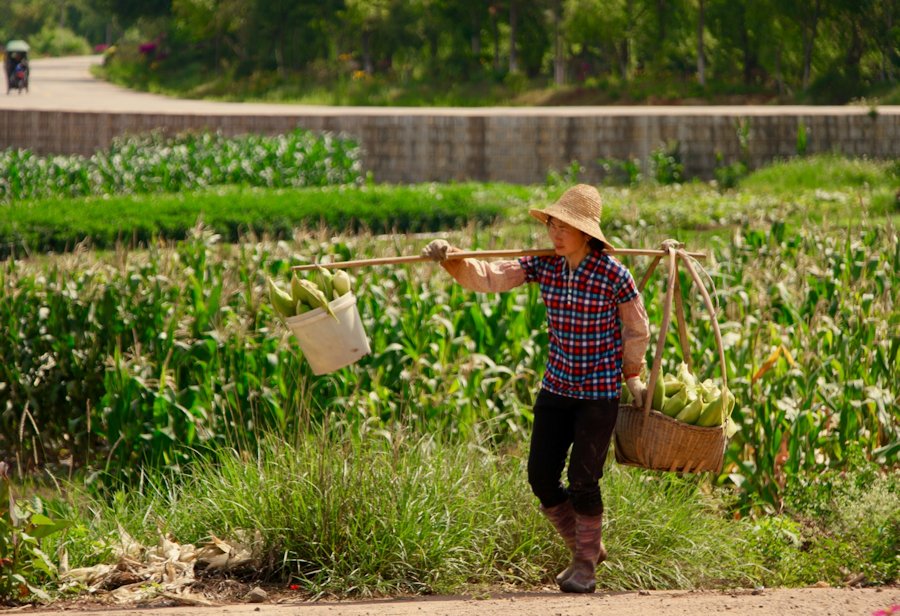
{"points": [[437, 250], [637, 389]]}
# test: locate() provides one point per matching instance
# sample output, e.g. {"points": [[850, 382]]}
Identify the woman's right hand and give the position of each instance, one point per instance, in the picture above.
{"points": [[437, 250]]}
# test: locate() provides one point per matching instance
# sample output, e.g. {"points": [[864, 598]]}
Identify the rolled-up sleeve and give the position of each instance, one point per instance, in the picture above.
{"points": [[635, 336], [486, 276]]}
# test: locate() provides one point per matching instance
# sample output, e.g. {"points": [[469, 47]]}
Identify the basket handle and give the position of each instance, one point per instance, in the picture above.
{"points": [[675, 252], [712, 314], [669, 247]]}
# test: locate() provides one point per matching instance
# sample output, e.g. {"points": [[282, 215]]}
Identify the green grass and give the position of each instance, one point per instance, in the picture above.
{"points": [[821, 173], [390, 512], [384, 513]]}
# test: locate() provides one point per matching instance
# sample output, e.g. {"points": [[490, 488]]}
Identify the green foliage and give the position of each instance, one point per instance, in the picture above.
{"points": [[163, 372], [621, 172], [855, 509], [155, 163], [616, 51], [145, 358], [802, 139], [58, 41], [842, 525], [62, 224], [371, 512], [24, 566], [663, 166], [173, 351], [666, 165], [809, 323], [728, 175], [568, 177], [822, 172]]}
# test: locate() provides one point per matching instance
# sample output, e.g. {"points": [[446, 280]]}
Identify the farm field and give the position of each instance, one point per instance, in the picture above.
{"points": [[147, 373]]}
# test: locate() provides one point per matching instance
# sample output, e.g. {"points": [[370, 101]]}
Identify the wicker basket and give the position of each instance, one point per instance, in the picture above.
{"points": [[649, 439]]}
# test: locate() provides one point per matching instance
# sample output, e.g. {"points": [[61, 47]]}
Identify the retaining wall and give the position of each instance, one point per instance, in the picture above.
{"points": [[518, 146]]}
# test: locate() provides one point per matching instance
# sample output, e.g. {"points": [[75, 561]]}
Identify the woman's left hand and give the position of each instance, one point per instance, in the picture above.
{"points": [[637, 389]]}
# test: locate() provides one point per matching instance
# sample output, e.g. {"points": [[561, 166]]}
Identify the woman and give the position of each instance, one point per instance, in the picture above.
{"points": [[598, 331]]}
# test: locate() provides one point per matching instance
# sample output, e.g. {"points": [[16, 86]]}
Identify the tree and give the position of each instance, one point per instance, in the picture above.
{"points": [[749, 35], [222, 22], [292, 32], [807, 14], [513, 31], [559, 60], [129, 11], [601, 34], [701, 54]]}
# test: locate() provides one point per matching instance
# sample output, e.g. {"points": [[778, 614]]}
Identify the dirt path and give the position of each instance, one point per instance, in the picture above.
{"points": [[780, 602], [66, 84]]}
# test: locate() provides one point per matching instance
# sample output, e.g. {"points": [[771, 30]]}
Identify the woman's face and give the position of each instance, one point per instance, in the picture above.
{"points": [[567, 240]]}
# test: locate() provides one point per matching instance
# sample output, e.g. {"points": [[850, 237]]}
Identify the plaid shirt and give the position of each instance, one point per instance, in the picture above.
{"points": [[582, 315]]}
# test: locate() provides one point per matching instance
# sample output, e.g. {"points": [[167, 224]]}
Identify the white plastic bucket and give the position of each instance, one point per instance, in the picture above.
{"points": [[329, 344]]}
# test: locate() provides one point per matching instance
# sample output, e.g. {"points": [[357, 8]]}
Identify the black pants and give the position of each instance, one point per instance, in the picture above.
{"points": [[584, 425]]}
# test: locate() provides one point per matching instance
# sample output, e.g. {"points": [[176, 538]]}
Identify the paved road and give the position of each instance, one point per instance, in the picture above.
{"points": [[66, 84]]}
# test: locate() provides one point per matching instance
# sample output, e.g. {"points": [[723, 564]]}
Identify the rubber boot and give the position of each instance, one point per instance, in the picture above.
{"points": [[563, 519], [589, 551]]}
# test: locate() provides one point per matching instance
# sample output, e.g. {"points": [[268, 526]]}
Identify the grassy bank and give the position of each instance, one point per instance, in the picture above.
{"points": [[383, 513]]}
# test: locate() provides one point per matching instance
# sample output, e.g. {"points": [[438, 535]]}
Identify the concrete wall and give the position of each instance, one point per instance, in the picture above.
{"points": [[517, 146]]}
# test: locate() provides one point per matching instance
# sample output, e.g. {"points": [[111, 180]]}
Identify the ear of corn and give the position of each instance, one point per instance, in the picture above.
{"points": [[672, 384], [324, 280], [659, 395], [314, 296], [717, 411], [682, 397], [625, 395], [684, 375], [677, 402], [691, 411], [281, 300], [341, 283], [300, 292]]}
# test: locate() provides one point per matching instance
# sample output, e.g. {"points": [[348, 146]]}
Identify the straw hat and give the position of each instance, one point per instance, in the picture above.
{"points": [[580, 206]]}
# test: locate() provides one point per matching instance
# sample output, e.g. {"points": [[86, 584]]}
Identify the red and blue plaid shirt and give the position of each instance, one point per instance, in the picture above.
{"points": [[585, 358]]}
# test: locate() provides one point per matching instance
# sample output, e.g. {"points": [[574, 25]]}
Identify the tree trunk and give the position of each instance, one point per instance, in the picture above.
{"points": [[809, 42], [279, 53], [495, 30], [701, 56], [368, 66], [749, 59], [855, 50], [888, 50], [513, 27], [475, 39], [779, 79], [625, 47], [661, 22], [559, 65]]}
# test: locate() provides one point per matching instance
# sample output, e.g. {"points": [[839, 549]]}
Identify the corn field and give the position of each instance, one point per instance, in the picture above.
{"points": [[113, 362], [153, 163]]}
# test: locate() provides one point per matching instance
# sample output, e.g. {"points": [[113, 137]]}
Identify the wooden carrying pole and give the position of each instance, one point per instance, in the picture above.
{"points": [[477, 254]]}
